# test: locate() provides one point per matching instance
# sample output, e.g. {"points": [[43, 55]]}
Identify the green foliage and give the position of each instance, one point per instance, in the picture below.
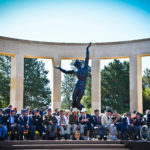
{"points": [[5, 64], [146, 90], [115, 86], [36, 84]]}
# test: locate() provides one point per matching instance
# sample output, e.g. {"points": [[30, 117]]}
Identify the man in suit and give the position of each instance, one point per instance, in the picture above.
{"points": [[74, 122], [3, 128], [128, 124], [87, 122], [101, 130], [25, 122]]}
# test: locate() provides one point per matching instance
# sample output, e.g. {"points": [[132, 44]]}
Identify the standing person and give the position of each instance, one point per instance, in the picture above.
{"points": [[63, 125], [82, 74], [86, 120], [3, 128], [101, 130], [37, 121], [12, 124], [50, 121], [74, 122], [25, 122]]}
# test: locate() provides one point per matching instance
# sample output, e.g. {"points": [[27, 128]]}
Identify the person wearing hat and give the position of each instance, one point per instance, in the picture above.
{"points": [[87, 121], [25, 122], [12, 124], [63, 125], [106, 118], [108, 123], [37, 121], [101, 130], [50, 122], [74, 122], [3, 127]]}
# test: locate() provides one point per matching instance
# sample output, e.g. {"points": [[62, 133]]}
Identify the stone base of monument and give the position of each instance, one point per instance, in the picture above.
{"points": [[73, 145]]}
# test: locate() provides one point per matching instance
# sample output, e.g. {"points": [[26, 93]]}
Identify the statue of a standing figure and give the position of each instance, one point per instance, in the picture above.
{"points": [[82, 74]]}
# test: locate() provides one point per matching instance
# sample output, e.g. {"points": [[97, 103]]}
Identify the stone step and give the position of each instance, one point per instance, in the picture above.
{"points": [[64, 146], [59, 142], [84, 149]]}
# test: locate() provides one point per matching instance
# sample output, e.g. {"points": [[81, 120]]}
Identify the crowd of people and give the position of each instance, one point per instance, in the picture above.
{"points": [[66, 124]]}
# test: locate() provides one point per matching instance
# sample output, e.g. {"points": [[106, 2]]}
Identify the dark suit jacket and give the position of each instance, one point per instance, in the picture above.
{"points": [[23, 121], [96, 121], [89, 123], [125, 121]]}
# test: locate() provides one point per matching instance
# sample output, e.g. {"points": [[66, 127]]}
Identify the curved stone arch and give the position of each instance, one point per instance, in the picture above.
{"points": [[19, 49]]}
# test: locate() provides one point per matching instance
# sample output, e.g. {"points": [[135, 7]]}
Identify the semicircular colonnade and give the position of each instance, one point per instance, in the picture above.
{"points": [[19, 49]]}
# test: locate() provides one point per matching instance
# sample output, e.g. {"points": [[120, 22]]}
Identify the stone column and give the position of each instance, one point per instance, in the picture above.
{"points": [[56, 84], [17, 81], [136, 84], [96, 82]]}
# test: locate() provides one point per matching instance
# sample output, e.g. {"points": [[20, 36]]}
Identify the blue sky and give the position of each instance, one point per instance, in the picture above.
{"points": [[76, 20]]}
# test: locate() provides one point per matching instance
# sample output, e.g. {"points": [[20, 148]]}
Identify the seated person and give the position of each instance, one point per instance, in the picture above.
{"points": [[25, 122], [50, 121], [37, 121], [128, 124], [63, 125], [117, 121], [101, 130], [12, 124], [108, 123], [3, 128], [87, 122], [138, 122], [74, 122]]}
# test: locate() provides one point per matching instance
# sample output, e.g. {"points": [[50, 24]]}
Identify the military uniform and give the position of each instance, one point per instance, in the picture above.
{"points": [[51, 126], [37, 123], [26, 124]]}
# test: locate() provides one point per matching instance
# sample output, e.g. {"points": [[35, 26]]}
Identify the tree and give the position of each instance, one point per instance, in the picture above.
{"points": [[146, 90], [36, 84], [115, 86], [5, 65], [67, 89]]}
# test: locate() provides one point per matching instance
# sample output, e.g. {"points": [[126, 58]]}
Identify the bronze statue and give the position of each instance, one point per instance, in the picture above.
{"points": [[82, 74]]}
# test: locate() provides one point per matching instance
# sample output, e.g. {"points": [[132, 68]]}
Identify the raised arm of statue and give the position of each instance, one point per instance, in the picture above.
{"points": [[65, 71], [87, 56]]}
